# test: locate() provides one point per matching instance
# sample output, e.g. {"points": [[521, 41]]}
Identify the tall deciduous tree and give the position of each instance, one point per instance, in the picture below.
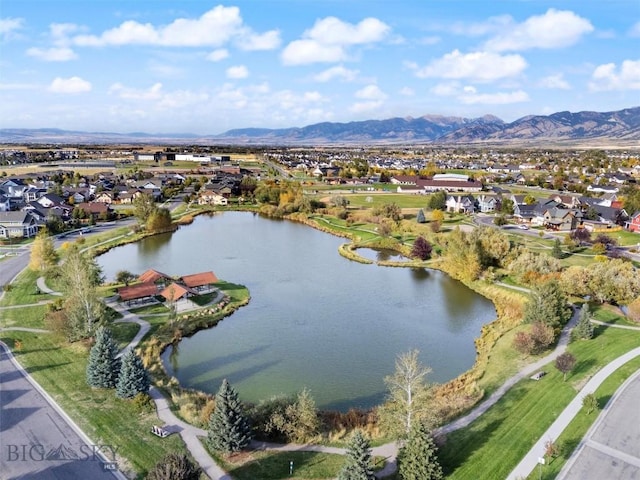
{"points": [[133, 378], [79, 277], [421, 249], [229, 430], [418, 459], [409, 395], [357, 465], [143, 207], [104, 365], [159, 220], [297, 421], [43, 252], [437, 201], [565, 363]]}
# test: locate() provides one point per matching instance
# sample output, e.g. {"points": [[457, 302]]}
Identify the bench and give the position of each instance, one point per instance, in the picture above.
{"points": [[159, 431], [538, 376]]}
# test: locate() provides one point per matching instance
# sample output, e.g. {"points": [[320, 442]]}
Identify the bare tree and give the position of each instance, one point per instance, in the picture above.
{"points": [[408, 395]]}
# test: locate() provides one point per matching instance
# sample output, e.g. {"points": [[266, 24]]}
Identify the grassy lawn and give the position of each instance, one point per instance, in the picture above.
{"points": [[24, 292], [493, 445], [570, 438], [402, 200], [60, 370], [123, 333], [271, 465]]}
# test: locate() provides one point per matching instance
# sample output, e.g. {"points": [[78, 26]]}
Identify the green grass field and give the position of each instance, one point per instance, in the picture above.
{"points": [[377, 199], [493, 445]]}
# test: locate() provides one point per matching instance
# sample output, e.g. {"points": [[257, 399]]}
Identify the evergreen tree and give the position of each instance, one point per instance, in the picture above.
{"points": [[584, 328], [417, 460], [229, 430], [358, 463], [420, 218], [547, 305], [133, 378], [556, 252], [103, 366]]}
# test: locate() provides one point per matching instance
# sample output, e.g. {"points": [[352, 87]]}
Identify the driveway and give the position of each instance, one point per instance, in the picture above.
{"points": [[611, 448], [37, 440]]}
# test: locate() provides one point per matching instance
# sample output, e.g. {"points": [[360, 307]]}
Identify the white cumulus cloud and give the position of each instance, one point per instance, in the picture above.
{"points": [[8, 27], [152, 93], [634, 31], [218, 54], [69, 85], [553, 29], [237, 72], [609, 77], [371, 92], [329, 38], [214, 28], [483, 66], [555, 82], [53, 54], [338, 71]]}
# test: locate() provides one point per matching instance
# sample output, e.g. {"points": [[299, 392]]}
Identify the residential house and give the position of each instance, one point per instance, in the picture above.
{"points": [[569, 201], [5, 204], [95, 209], [14, 189], [209, 197], [562, 219], [17, 224], [539, 210], [633, 224], [33, 193], [105, 197], [460, 204], [524, 213], [487, 203]]}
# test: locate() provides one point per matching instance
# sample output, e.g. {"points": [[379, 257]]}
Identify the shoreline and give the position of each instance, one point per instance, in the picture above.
{"points": [[462, 386]]}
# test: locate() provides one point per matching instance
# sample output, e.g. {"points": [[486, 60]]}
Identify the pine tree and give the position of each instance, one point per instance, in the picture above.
{"points": [[229, 430], [133, 378], [556, 251], [584, 328], [420, 218], [358, 463], [417, 460], [103, 366]]}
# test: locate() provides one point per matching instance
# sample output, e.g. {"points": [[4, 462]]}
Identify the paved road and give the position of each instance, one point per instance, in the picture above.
{"points": [[611, 447], [530, 461], [37, 439]]}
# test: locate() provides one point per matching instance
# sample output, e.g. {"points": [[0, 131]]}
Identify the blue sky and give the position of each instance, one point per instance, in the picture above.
{"points": [[204, 67]]}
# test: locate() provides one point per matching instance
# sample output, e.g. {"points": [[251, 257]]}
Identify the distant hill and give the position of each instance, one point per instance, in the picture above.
{"points": [[621, 126]]}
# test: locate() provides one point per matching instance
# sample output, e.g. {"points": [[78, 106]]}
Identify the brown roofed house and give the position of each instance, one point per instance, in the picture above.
{"points": [[137, 291], [199, 279], [153, 276], [175, 292]]}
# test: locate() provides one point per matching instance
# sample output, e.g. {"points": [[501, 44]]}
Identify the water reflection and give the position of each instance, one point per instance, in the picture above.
{"points": [[381, 254], [315, 319]]}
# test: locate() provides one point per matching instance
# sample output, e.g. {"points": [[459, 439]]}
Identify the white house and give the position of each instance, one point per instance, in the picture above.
{"points": [[460, 203]]}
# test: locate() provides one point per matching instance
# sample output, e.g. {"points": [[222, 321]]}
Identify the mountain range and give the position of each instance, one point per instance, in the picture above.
{"points": [[620, 127]]}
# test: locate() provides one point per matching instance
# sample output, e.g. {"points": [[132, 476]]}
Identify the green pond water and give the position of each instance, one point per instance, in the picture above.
{"points": [[315, 319]]}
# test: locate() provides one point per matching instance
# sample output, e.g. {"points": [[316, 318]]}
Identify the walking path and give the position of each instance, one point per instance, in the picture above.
{"points": [[526, 371], [529, 462], [191, 435]]}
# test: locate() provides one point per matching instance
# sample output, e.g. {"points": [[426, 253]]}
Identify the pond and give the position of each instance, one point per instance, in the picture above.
{"points": [[315, 319], [381, 255]]}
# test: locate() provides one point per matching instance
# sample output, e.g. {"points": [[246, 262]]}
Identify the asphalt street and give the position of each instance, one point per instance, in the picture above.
{"points": [[611, 449], [37, 441]]}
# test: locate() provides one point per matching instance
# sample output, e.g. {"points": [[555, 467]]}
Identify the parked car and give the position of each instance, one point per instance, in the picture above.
{"points": [[523, 227]]}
